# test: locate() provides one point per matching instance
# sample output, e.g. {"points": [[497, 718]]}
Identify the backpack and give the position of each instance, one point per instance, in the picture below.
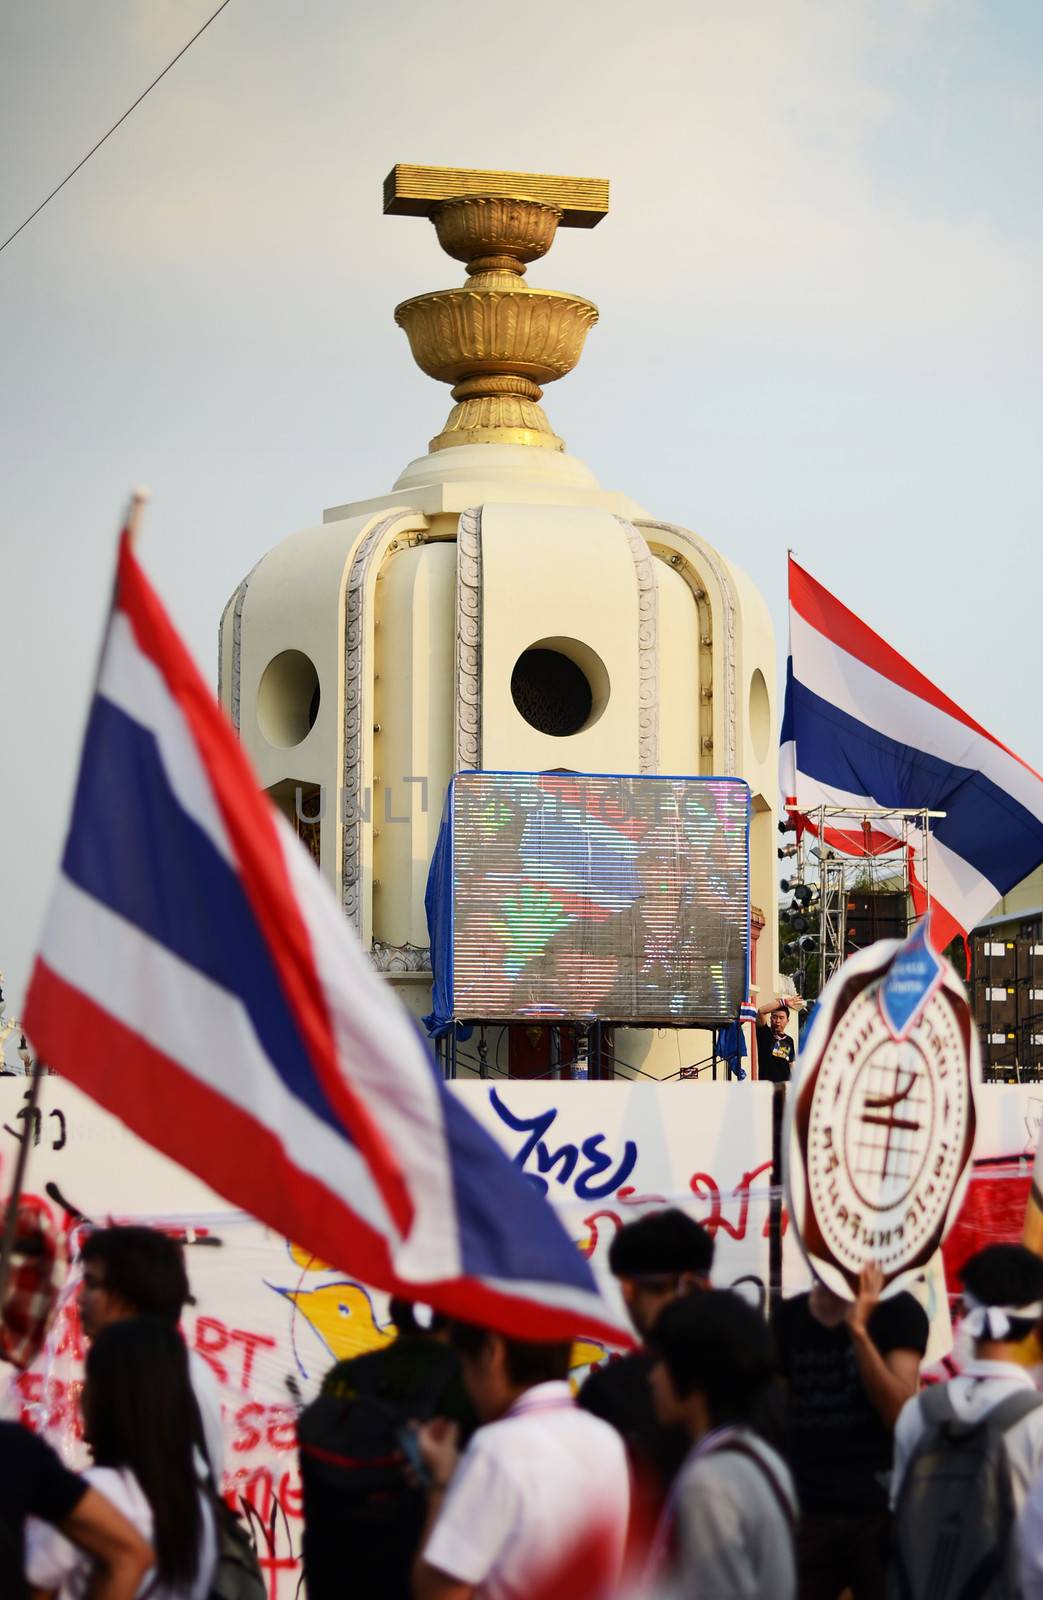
{"points": [[954, 1521], [351, 1442], [356, 1494], [237, 1575], [237, 1572]]}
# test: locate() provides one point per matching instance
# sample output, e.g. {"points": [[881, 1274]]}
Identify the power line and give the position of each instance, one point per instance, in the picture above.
{"points": [[115, 125]]}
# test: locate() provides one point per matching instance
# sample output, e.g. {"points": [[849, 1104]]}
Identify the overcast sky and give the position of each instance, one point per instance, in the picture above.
{"points": [[821, 318]]}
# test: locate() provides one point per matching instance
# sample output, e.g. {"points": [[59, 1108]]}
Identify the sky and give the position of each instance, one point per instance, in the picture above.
{"points": [[819, 284]]}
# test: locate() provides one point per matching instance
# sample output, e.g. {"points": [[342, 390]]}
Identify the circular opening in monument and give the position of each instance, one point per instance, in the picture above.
{"points": [[288, 699], [560, 686]]}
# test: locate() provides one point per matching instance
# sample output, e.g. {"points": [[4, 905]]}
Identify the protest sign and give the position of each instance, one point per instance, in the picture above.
{"points": [[881, 1118]]}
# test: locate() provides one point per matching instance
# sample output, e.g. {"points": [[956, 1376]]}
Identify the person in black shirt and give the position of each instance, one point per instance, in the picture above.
{"points": [[850, 1367], [775, 1051], [657, 1259], [33, 1483], [356, 1488]]}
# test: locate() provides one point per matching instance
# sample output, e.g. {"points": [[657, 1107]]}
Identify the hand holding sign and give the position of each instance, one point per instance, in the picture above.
{"points": [[870, 1284]]}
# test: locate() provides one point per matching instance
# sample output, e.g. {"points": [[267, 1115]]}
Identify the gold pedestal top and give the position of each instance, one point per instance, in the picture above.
{"points": [[496, 339], [415, 191]]}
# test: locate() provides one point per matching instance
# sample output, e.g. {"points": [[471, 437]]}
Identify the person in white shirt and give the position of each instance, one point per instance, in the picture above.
{"points": [[140, 1428], [134, 1271], [1003, 1303], [538, 1503]]}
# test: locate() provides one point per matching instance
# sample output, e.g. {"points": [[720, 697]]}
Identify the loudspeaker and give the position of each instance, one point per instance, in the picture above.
{"points": [[874, 915]]}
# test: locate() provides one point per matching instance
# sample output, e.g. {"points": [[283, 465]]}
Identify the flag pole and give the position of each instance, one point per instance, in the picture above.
{"points": [[15, 1195], [138, 501]]}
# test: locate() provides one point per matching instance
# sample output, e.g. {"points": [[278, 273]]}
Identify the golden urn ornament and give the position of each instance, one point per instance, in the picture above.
{"points": [[496, 339]]}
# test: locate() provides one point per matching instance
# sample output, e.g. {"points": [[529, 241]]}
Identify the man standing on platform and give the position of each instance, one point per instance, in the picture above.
{"points": [[775, 1048]]}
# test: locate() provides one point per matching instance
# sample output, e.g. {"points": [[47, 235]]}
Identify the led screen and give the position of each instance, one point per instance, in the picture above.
{"points": [[579, 896]]}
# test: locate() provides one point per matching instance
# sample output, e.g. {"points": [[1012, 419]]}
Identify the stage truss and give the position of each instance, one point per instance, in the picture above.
{"points": [[842, 852]]}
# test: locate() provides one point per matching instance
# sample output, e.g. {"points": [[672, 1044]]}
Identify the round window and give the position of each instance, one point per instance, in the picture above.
{"points": [[559, 686], [288, 699]]}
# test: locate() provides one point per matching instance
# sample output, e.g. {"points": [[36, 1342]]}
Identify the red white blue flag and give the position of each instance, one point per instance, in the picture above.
{"points": [[197, 978], [863, 728]]}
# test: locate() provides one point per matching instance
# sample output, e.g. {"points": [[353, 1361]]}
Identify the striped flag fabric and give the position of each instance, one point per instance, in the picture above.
{"points": [[862, 728], [196, 977]]}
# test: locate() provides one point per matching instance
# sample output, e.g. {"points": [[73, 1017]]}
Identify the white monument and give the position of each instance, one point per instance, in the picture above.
{"points": [[496, 609]]}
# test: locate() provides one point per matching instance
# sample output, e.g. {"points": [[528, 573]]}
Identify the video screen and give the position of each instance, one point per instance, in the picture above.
{"points": [[620, 898]]}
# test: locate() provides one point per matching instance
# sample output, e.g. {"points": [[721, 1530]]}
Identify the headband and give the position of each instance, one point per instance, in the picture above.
{"points": [[993, 1322]]}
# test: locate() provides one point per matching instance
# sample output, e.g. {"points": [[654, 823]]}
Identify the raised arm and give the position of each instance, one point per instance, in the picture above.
{"points": [[787, 1002], [889, 1381]]}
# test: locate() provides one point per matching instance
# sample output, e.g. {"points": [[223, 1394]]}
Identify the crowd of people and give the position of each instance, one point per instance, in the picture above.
{"points": [[730, 1455]]}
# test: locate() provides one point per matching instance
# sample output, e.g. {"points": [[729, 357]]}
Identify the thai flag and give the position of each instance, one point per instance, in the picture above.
{"points": [[197, 978], [863, 728], [587, 864]]}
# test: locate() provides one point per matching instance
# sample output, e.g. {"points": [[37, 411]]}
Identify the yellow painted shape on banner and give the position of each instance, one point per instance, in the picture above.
{"points": [[307, 1261], [585, 1353], [342, 1316]]}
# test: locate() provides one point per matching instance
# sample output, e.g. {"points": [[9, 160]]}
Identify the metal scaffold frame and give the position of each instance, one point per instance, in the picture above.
{"points": [[835, 874]]}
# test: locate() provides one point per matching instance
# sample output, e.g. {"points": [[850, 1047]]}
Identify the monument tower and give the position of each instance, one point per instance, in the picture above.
{"points": [[496, 609]]}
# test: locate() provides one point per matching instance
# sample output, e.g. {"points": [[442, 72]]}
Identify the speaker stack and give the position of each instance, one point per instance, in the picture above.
{"points": [[1007, 992], [873, 915]]}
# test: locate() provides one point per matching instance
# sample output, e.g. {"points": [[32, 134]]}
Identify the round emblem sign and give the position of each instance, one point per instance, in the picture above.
{"points": [[882, 1117]]}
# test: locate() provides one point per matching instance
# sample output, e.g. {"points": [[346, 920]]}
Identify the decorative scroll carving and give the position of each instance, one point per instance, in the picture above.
{"points": [[724, 629], [394, 958], [221, 640], [236, 602], [354, 641], [469, 640], [647, 650]]}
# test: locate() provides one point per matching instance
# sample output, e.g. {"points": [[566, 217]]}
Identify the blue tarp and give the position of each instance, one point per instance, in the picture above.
{"points": [[731, 1047], [438, 901]]}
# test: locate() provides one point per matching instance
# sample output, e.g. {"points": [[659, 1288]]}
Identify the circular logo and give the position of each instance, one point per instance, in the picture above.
{"points": [[883, 1128]]}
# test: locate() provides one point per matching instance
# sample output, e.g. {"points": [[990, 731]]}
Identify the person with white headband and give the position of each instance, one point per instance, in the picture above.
{"points": [[967, 1451]]}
